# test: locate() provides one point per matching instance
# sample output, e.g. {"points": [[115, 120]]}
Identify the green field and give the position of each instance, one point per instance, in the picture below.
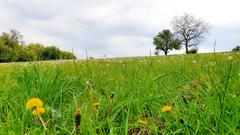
{"points": [[203, 91]]}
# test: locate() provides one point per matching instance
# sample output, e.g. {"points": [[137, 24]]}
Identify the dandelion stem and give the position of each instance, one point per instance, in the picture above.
{"points": [[77, 129], [42, 122], [77, 120]]}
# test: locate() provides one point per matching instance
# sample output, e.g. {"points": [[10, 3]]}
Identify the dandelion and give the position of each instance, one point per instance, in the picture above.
{"points": [[34, 103], [141, 122], [166, 108], [36, 106], [96, 104], [38, 111]]}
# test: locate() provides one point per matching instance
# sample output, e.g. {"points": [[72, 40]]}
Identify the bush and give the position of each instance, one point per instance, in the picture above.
{"points": [[193, 51], [36, 49], [51, 53], [6, 54], [66, 55], [25, 55], [236, 49]]}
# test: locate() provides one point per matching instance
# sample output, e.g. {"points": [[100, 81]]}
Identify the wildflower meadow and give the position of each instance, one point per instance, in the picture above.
{"points": [[177, 94]]}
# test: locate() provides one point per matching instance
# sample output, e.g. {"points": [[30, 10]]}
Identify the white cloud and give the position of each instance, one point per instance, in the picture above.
{"points": [[129, 45], [115, 28]]}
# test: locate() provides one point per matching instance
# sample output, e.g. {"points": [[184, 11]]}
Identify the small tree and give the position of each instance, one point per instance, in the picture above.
{"points": [[189, 30], [236, 49], [165, 41]]}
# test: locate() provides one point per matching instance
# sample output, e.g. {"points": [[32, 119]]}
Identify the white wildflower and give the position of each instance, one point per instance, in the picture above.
{"points": [[230, 57], [212, 63], [88, 82]]}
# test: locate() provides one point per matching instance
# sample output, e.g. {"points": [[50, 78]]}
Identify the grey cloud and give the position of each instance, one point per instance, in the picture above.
{"points": [[226, 37], [114, 28]]}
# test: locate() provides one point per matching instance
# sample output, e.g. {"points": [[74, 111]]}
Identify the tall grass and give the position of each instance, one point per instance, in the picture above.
{"points": [[204, 91]]}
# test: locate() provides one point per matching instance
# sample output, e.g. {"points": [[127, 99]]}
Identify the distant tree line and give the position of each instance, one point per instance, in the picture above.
{"points": [[13, 49]]}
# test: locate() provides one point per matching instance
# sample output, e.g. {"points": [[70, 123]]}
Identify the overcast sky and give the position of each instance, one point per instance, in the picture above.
{"points": [[116, 27]]}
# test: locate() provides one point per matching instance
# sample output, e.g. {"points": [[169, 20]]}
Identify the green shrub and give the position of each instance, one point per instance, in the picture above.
{"points": [[193, 51], [236, 49]]}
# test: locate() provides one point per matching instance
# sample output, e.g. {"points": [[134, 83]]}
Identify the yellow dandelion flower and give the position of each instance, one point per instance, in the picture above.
{"points": [[38, 111], [34, 103], [141, 122], [166, 108], [96, 104]]}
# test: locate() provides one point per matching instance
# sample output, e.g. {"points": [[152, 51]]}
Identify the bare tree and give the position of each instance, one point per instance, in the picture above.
{"points": [[189, 30]]}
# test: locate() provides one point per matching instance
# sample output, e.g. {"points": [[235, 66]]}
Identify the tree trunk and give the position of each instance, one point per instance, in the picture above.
{"points": [[186, 46], [165, 52]]}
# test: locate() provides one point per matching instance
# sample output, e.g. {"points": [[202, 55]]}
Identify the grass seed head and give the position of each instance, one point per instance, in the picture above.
{"points": [[78, 117], [181, 120], [112, 96]]}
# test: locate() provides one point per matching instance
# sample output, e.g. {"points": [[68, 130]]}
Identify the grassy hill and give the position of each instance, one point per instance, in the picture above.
{"points": [[124, 95]]}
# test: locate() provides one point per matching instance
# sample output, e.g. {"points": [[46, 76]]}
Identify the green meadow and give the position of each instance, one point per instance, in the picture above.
{"points": [[124, 96]]}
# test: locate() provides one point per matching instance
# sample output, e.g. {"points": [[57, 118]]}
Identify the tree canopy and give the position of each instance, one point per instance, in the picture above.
{"points": [[165, 41], [189, 30], [13, 49]]}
